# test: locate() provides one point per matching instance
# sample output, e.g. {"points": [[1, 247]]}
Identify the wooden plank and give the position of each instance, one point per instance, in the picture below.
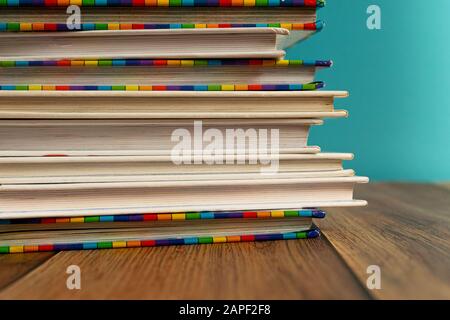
{"points": [[405, 230], [15, 266], [294, 269]]}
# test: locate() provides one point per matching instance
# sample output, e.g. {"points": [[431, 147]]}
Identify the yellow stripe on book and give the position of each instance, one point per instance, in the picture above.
{"points": [[282, 62], [91, 63], [187, 63], [219, 239], [277, 214], [131, 88], [76, 2], [77, 220], [15, 249], [249, 3], [163, 3], [178, 216], [119, 244], [34, 87], [113, 26], [26, 27], [227, 87]]}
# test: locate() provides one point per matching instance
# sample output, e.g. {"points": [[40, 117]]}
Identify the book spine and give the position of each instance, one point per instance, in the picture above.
{"points": [[205, 87], [163, 3], [313, 233], [163, 63], [306, 213], [51, 27]]}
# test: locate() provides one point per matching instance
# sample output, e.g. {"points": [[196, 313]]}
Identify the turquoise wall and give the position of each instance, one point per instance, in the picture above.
{"points": [[399, 83]]}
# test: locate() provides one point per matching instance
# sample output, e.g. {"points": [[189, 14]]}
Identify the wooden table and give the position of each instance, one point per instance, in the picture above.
{"points": [[404, 230]]}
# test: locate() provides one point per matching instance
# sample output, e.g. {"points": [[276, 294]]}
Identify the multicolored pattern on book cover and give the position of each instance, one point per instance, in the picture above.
{"points": [[165, 63], [313, 233], [48, 27], [199, 87], [306, 213], [163, 3]]}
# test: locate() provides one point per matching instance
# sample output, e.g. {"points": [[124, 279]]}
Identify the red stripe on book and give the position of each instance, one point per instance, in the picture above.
{"points": [[150, 217], [46, 247], [247, 238], [250, 215], [138, 3], [148, 243]]}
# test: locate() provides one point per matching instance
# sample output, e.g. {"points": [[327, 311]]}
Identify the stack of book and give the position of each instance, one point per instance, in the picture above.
{"points": [[148, 123]]}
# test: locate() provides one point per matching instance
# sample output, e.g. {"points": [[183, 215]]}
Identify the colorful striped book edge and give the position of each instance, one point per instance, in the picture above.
{"points": [[49, 27], [313, 233], [306, 213], [207, 87], [163, 3], [164, 63]]}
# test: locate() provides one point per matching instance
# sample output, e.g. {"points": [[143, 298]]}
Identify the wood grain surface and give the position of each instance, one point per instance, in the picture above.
{"points": [[280, 270], [405, 230]]}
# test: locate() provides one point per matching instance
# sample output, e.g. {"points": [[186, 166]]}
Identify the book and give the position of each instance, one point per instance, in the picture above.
{"points": [[147, 230], [128, 168], [152, 137], [165, 3], [142, 44], [82, 199], [166, 104], [115, 74], [299, 18], [173, 176]]}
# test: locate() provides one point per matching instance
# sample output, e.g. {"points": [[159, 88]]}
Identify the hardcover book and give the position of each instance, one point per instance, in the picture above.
{"points": [[148, 230]]}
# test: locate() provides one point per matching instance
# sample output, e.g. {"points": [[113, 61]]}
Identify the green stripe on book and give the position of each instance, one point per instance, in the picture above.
{"points": [[101, 26], [91, 219], [291, 213], [104, 245], [200, 62], [192, 216], [262, 3], [7, 63], [301, 235], [13, 26], [105, 62], [205, 240], [214, 87], [4, 249], [88, 2]]}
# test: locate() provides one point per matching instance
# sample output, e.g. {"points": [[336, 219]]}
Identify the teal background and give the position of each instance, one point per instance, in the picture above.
{"points": [[399, 83]]}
